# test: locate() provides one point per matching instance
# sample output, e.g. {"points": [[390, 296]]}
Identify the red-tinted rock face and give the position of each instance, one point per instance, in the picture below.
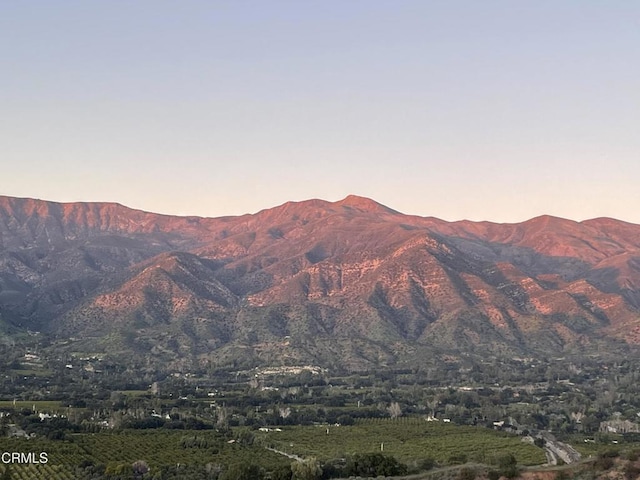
{"points": [[349, 268]]}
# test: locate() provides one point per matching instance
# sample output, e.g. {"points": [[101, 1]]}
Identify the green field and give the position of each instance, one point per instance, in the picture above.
{"points": [[408, 439], [159, 448]]}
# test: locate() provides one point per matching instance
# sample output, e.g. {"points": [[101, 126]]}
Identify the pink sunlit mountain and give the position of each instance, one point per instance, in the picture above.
{"points": [[351, 283]]}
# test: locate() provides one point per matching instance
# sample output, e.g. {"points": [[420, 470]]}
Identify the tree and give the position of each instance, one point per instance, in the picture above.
{"points": [[242, 471], [6, 475], [427, 464], [394, 410], [373, 465], [140, 467], [282, 472], [307, 469], [507, 465], [245, 437], [466, 473]]}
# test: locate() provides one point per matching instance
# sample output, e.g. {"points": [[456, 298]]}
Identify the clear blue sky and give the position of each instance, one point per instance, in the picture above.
{"points": [[496, 110]]}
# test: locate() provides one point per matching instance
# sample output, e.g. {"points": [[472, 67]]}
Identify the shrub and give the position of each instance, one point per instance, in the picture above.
{"points": [[427, 464], [308, 469], [603, 462], [612, 453], [631, 471], [493, 475], [282, 472], [345, 420], [467, 473], [633, 455], [374, 465]]}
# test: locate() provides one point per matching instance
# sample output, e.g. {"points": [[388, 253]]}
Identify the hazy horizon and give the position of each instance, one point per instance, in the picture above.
{"points": [[457, 110]]}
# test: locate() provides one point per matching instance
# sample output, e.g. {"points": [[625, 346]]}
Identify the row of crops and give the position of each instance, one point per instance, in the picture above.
{"points": [[159, 449], [407, 439]]}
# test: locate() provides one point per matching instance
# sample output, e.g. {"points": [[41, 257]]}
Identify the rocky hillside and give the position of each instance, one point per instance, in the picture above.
{"points": [[350, 283]]}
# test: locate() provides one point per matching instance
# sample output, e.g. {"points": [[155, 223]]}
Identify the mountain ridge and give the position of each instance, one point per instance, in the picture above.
{"points": [[386, 287], [349, 200]]}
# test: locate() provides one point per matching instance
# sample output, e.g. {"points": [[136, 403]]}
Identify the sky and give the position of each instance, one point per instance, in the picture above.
{"points": [[492, 110]]}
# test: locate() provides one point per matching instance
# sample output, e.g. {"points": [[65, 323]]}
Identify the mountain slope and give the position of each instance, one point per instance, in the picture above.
{"points": [[351, 283]]}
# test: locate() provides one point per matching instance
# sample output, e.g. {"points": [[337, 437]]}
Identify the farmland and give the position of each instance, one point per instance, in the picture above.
{"points": [[171, 452], [125, 423], [408, 439]]}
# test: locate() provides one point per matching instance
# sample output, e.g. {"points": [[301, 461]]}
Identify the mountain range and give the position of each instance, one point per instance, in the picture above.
{"points": [[351, 284]]}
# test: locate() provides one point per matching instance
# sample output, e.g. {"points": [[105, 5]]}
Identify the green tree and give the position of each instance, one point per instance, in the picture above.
{"points": [[307, 469], [508, 465], [466, 473], [427, 464], [6, 475], [242, 471], [282, 472], [373, 465]]}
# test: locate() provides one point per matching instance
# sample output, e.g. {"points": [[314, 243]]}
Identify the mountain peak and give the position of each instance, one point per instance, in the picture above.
{"points": [[364, 204]]}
